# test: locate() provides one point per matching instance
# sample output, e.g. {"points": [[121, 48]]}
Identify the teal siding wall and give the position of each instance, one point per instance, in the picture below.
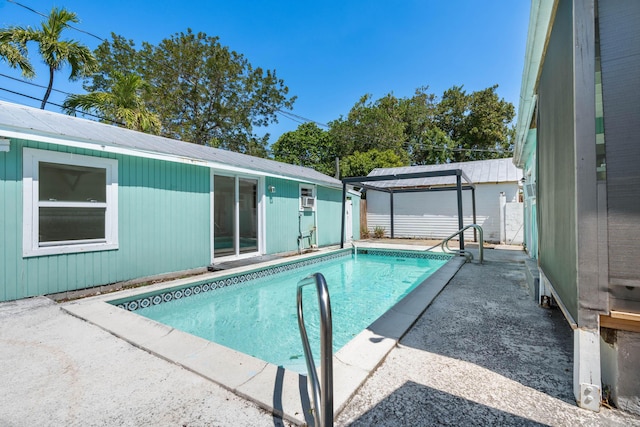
{"points": [[329, 215], [167, 211], [163, 222], [10, 210], [281, 212], [283, 219], [163, 225]]}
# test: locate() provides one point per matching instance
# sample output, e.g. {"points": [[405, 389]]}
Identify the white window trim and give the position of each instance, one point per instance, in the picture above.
{"points": [[313, 195], [30, 191]]}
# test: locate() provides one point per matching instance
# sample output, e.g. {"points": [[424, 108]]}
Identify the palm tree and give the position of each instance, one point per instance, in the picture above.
{"points": [[16, 56], [122, 104], [55, 52]]}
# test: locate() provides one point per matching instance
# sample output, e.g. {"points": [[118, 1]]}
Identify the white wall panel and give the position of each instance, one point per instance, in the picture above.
{"points": [[434, 215]]}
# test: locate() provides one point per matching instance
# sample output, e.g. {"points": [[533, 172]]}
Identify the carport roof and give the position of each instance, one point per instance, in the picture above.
{"points": [[493, 171]]}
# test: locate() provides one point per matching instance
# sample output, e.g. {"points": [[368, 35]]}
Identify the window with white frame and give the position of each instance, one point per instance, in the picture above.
{"points": [[70, 203], [307, 197]]}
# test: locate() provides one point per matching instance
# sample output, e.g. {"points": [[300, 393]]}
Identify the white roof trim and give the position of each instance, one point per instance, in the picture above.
{"points": [[540, 23], [60, 128], [140, 153]]}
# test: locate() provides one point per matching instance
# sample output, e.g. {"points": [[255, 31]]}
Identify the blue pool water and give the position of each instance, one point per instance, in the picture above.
{"points": [[259, 317]]}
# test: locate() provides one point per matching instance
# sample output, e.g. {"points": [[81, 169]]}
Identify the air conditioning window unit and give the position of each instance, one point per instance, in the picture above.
{"points": [[308, 202]]}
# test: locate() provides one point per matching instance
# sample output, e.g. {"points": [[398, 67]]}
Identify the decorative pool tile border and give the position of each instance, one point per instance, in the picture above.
{"points": [[144, 301], [405, 254]]}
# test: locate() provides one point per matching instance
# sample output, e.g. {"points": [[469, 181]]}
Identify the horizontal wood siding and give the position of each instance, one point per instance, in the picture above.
{"points": [[434, 215], [163, 221]]}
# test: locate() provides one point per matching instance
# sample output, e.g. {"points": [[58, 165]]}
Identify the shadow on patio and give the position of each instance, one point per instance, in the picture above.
{"points": [[483, 353]]}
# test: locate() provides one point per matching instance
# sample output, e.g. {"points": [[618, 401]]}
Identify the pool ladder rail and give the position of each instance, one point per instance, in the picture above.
{"points": [[444, 245], [322, 392]]}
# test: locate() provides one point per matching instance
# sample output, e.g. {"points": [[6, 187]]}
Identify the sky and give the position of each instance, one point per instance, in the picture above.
{"points": [[329, 53]]}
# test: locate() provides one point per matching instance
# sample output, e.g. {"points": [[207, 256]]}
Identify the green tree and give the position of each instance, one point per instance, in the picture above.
{"points": [[55, 52], [487, 125], [371, 125], [425, 142], [423, 129], [201, 91], [476, 123], [122, 103], [451, 111], [308, 146], [118, 56], [16, 56], [431, 146], [361, 163]]}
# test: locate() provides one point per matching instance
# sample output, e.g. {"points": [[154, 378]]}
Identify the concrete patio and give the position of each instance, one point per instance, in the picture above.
{"points": [[483, 353]]}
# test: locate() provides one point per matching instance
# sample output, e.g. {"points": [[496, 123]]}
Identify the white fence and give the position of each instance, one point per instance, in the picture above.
{"points": [[434, 215]]}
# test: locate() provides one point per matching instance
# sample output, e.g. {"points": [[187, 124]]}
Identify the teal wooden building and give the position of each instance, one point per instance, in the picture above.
{"points": [[86, 204]]}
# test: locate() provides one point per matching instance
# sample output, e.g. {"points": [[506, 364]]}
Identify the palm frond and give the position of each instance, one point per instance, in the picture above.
{"points": [[16, 56], [122, 104]]}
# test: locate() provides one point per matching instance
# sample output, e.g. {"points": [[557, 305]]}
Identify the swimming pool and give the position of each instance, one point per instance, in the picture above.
{"points": [[257, 315], [276, 389]]}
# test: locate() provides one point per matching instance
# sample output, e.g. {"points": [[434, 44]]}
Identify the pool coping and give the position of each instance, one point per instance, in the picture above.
{"points": [[278, 390]]}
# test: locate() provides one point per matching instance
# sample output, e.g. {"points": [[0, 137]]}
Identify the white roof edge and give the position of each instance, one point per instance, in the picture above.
{"points": [[354, 191], [145, 154], [539, 27], [56, 128], [502, 170]]}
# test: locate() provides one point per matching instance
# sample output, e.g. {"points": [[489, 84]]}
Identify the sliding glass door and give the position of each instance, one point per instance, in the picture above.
{"points": [[248, 213], [235, 215], [224, 193]]}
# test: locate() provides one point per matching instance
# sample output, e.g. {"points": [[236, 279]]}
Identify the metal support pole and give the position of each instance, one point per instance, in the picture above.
{"points": [[391, 216], [344, 203], [460, 218], [473, 202]]}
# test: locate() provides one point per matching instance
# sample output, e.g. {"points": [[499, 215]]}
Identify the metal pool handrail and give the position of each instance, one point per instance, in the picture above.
{"points": [[445, 243], [322, 393]]}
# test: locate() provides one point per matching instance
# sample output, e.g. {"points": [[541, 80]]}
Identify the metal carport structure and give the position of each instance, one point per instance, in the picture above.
{"points": [[424, 186]]}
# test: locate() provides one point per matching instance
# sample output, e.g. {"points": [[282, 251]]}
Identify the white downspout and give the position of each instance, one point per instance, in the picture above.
{"points": [[502, 205]]}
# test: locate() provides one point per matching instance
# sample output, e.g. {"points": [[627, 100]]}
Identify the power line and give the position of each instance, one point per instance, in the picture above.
{"points": [[45, 16], [22, 94], [84, 113], [33, 84], [287, 114], [299, 119]]}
